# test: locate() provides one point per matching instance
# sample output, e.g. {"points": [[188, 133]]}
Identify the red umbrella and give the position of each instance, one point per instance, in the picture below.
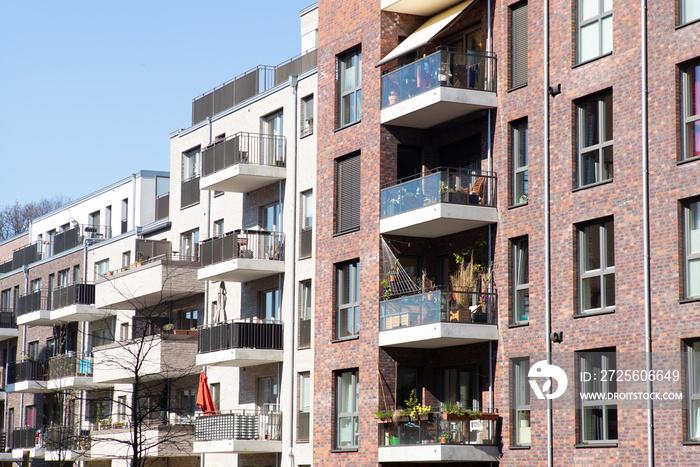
{"points": [[204, 400]]}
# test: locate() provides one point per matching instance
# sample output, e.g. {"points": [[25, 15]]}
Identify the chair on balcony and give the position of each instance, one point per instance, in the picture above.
{"points": [[478, 189]]}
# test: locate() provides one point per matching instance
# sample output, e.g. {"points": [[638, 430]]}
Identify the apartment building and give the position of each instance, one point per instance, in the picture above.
{"points": [[488, 177]]}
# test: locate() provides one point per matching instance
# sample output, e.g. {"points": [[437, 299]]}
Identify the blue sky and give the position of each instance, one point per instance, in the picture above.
{"points": [[90, 90]]}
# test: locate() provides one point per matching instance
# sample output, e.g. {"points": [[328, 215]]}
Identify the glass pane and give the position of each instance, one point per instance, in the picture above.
{"points": [[348, 106], [347, 399], [349, 71], [523, 263], [691, 10], [344, 284], [449, 382], [358, 62], [589, 42], [607, 5], [593, 423], [591, 293], [695, 370], [694, 278], [589, 167], [609, 244], [345, 432], [608, 117], [695, 419], [358, 101], [692, 139], [607, 163], [466, 386], [523, 427], [523, 385], [612, 423], [523, 305], [522, 146], [694, 85], [591, 247], [609, 290], [589, 9], [590, 123], [521, 187], [344, 323], [606, 45]]}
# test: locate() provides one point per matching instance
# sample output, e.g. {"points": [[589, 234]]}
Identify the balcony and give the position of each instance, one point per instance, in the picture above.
{"points": [[240, 343], [443, 202], [69, 371], [244, 162], [26, 439], [438, 88], [67, 304], [159, 277], [242, 256], [438, 319], [63, 443], [242, 431], [439, 440], [161, 440], [28, 376], [33, 308], [417, 7], [8, 325], [161, 356]]}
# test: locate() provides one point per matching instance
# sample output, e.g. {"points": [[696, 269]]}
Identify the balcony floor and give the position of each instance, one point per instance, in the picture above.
{"points": [[35, 452], [67, 455], [8, 333], [28, 387], [438, 220], [438, 453], [238, 445], [35, 318], [242, 178], [76, 313], [240, 357], [75, 382], [241, 270], [438, 335], [439, 105]]}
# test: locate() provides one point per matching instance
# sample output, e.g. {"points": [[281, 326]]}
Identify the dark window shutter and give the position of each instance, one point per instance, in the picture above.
{"points": [[348, 194], [518, 45]]}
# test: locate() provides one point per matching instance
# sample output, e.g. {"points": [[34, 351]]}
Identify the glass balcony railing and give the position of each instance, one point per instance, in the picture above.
{"points": [[69, 365], [444, 68], [439, 306], [440, 186], [436, 429]]}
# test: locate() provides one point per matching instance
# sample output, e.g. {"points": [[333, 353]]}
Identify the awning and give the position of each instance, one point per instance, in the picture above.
{"points": [[426, 32]]}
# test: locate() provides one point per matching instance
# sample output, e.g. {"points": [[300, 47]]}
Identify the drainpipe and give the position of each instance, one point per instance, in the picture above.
{"points": [[491, 185], [647, 254], [547, 227], [133, 201]]}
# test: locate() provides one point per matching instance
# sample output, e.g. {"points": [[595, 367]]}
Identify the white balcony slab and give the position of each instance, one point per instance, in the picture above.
{"points": [[8, 333], [438, 335], [447, 453], [67, 455], [418, 7], [240, 357], [75, 382], [77, 313], [436, 106], [241, 270], [238, 445], [35, 318], [242, 178], [28, 387], [162, 441], [35, 452], [438, 220]]}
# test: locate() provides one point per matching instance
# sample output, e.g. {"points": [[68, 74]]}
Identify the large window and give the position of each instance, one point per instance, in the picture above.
{"points": [[460, 386], [348, 191], [595, 139], [690, 104], [598, 415], [190, 164], [690, 11], [521, 401], [518, 45], [520, 162], [269, 305], [348, 299], [521, 281], [595, 29], [597, 267], [101, 268], [347, 409], [189, 245], [350, 87], [693, 389], [692, 249], [6, 301]]}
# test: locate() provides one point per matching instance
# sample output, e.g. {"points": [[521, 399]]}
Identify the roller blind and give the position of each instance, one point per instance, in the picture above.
{"points": [[518, 45]]}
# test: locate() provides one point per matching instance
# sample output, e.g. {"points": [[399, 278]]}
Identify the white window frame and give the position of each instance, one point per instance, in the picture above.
{"points": [[191, 165], [605, 228], [307, 116], [189, 244]]}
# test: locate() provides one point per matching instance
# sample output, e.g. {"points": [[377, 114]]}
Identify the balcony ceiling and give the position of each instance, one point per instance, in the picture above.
{"points": [[241, 270], [438, 220], [242, 178], [240, 357], [438, 335], [417, 7]]}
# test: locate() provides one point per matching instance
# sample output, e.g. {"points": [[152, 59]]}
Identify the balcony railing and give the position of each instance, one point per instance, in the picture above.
{"points": [[239, 424], [305, 242], [63, 438], [436, 430], [162, 206], [26, 255], [28, 370], [7, 320], [438, 306], [26, 438], [74, 294], [252, 244], [244, 148], [444, 68], [441, 186], [189, 192], [33, 301], [240, 334], [68, 365]]}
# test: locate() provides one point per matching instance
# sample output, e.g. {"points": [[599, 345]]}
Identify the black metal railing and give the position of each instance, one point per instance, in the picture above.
{"points": [[28, 370], [303, 426], [26, 255], [33, 301], [244, 148], [162, 206], [74, 294], [252, 244], [306, 236], [6, 267], [441, 185], [447, 306], [240, 334], [26, 437], [189, 192], [66, 438], [67, 365], [296, 66], [7, 320], [444, 68], [435, 429], [239, 424]]}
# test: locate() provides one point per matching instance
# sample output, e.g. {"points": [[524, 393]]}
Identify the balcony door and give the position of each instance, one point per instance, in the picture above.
{"points": [[269, 305], [460, 386], [272, 128]]}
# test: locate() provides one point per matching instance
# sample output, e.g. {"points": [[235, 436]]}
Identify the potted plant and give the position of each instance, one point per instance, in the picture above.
{"points": [[445, 438], [416, 410], [393, 97], [384, 417], [400, 416], [467, 281]]}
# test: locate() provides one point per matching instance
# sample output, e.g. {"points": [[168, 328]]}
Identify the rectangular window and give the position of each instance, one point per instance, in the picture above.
{"points": [[76, 274], [190, 163], [189, 187], [518, 45], [690, 106], [347, 409], [304, 412], [268, 394], [348, 299], [216, 394], [307, 115], [693, 389], [126, 259], [124, 332], [30, 416], [101, 268], [269, 305], [305, 311], [189, 244], [598, 413], [6, 301], [35, 285], [63, 278], [408, 378], [121, 409], [690, 11], [307, 224], [692, 249], [125, 215], [520, 162], [218, 228], [595, 29], [349, 87], [521, 280], [521, 401], [460, 386], [273, 148], [595, 139], [33, 350], [596, 267], [348, 191]]}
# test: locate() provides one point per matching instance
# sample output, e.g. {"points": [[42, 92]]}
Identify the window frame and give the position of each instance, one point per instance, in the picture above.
{"points": [[191, 159], [682, 14], [348, 192], [519, 140], [305, 313], [692, 362], [521, 368], [273, 296], [517, 251], [602, 271], [350, 309], [193, 237], [597, 18], [354, 92], [353, 414], [306, 126], [687, 118], [606, 385], [516, 45], [601, 146], [304, 398], [691, 209]]}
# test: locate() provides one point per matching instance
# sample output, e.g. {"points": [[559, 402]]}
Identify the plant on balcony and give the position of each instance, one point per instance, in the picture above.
{"points": [[415, 409], [467, 279], [457, 412], [384, 417]]}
